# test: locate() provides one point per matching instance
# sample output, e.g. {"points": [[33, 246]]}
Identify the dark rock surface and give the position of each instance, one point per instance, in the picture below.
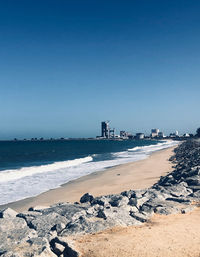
{"points": [[45, 231]]}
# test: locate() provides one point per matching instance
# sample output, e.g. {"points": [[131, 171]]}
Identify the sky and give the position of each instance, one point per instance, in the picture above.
{"points": [[65, 66]]}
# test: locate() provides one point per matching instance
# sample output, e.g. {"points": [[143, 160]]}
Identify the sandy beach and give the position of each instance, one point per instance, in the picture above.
{"points": [[162, 236], [134, 175], [176, 235]]}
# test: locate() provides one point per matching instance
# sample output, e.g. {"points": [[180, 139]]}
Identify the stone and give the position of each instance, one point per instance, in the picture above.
{"points": [[63, 246], [44, 223], [86, 198], [68, 210], [139, 216], [14, 231], [101, 214], [179, 200], [8, 213]]}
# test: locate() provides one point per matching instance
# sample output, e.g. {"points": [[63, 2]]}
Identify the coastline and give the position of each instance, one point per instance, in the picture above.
{"points": [[134, 175]]}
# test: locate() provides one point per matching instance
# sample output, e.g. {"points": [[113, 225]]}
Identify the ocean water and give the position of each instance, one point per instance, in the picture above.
{"points": [[28, 168]]}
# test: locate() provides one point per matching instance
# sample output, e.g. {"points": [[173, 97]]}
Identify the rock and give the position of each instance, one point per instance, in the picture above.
{"points": [[195, 188], [69, 211], [43, 224], [101, 214], [86, 198], [180, 189], [8, 213], [58, 227], [196, 194], [98, 201], [10, 254], [115, 200], [193, 181], [129, 194], [29, 215], [139, 216], [179, 200], [65, 246], [38, 208], [133, 202], [14, 231], [84, 225]]}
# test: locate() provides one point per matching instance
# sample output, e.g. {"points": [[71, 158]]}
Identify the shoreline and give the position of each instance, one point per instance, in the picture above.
{"points": [[134, 175]]}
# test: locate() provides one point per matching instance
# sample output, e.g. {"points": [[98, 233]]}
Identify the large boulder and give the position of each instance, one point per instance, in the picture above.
{"points": [[8, 213], [86, 198]]}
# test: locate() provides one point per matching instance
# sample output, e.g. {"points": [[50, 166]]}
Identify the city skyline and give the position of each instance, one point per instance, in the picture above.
{"points": [[67, 65], [107, 132]]}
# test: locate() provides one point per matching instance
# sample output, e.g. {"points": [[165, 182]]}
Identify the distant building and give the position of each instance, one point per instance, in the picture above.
{"points": [[124, 134], [105, 131], [139, 136], [130, 136], [161, 134], [186, 135], [175, 134], [154, 132], [112, 133]]}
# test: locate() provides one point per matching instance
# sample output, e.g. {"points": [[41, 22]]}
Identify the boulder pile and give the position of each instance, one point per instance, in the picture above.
{"points": [[46, 231]]}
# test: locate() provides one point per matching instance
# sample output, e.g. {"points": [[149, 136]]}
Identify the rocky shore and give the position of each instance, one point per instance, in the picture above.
{"points": [[43, 231]]}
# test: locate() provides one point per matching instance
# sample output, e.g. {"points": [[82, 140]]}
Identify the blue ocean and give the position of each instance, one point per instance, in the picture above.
{"points": [[28, 168]]}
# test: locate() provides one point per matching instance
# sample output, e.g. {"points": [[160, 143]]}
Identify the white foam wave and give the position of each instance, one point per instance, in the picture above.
{"points": [[8, 175], [153, 148]]}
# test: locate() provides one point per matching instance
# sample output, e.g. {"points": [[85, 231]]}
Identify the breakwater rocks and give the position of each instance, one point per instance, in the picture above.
{"points": [[42, 231]]}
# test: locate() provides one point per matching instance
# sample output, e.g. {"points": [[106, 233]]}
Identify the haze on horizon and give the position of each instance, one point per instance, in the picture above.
{"points": [[67, 65]]}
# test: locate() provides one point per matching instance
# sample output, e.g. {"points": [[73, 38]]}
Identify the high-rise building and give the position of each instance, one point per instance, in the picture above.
{"points": [[105, 131]]}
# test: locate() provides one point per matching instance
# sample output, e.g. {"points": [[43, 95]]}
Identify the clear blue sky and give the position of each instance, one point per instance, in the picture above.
{"points": [[67, 65]]}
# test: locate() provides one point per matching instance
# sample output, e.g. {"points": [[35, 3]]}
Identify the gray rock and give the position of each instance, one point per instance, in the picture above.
{"points": [[86, 198], [14, 231], [44, 223], [64, 246], [8, 213], [84, 225], [101, 214], [179, 200], [193, 181], [139, 216], [115, 200], [69, 211], [180, 189]]}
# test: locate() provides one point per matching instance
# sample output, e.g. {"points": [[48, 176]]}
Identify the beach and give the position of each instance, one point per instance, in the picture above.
{"points": [[176, 235], [146, 208], [135, 175]]}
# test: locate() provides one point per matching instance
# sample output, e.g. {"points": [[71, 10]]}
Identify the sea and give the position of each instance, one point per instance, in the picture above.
{"points": [[28, 168]]}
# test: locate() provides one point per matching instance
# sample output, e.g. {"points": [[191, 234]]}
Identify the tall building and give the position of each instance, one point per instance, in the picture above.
{"points": [[105, 131]]}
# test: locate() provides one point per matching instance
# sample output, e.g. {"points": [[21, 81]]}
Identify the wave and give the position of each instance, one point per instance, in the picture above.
{"points": [[153, 148], [31, 181], [8, 175]]}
